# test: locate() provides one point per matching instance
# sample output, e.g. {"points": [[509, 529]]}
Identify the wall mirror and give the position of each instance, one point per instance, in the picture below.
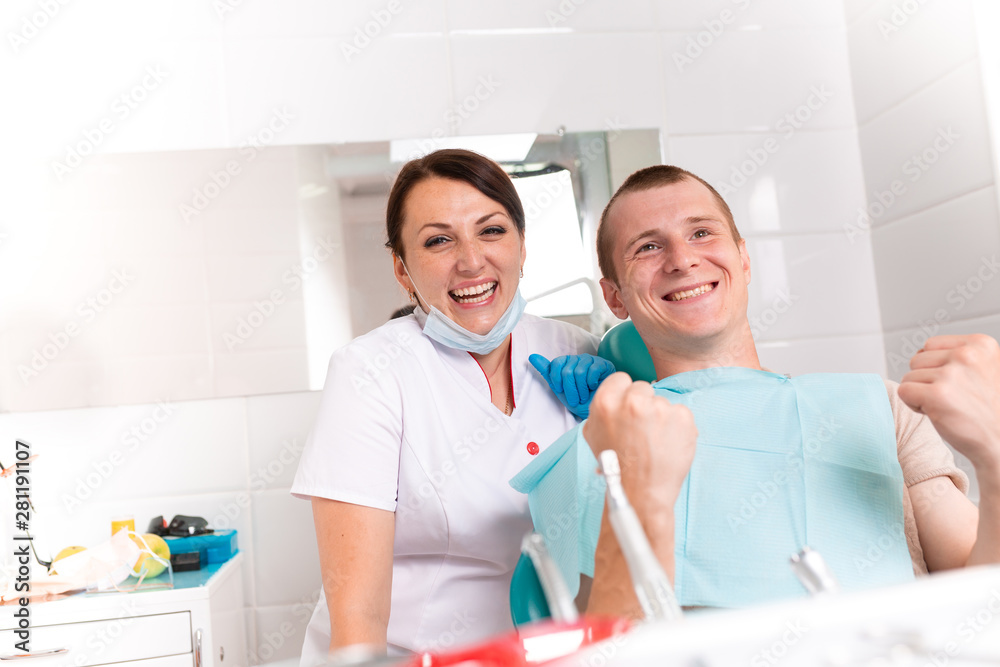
{"points": [[211, 273]]}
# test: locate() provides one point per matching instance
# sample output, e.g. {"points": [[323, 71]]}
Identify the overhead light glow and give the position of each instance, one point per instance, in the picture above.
{"points": [[501, 148]]}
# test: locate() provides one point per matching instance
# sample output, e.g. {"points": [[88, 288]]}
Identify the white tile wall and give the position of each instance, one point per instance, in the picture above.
{"points": [[334, 97], [840, 354], [744, 80], [155, 330], [746, 14], [280, 632], [160, 279], [249, 277], [284, 545], [987, 24], [922, 269], [73, 94], [482, 16], [537, 83], [181, 286], [142, 438], [895, 53], [190, 377], [808, 286], [261, 371], [278, 428], [853, 9], [932, 145], [808, 182], [919, 72], [316, 18]]}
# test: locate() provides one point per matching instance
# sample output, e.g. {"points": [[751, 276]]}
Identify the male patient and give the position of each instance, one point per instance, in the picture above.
{"points": [[847, 464]]}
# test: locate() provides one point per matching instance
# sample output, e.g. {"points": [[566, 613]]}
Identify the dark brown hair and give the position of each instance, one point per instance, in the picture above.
{"points": [[478, 171], [647, 179]]}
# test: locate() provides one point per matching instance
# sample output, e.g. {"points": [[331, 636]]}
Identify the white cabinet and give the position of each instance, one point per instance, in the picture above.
{"points": [[198, 623]]}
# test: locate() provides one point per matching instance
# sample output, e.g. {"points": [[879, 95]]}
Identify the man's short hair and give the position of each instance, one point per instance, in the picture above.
{"points": [[647, 179]]}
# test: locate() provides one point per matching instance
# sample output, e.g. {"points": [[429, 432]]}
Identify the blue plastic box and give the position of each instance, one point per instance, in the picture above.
{"points": [[217, 547]]}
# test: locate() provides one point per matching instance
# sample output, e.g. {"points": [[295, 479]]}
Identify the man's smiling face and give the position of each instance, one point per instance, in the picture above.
{"points": [[682, 277]]}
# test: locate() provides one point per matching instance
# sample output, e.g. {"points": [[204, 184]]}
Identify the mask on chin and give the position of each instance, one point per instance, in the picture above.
{"points": [[440, 328]]}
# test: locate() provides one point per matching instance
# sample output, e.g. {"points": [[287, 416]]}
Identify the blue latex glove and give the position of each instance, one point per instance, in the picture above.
{"points": [[573, 378]]}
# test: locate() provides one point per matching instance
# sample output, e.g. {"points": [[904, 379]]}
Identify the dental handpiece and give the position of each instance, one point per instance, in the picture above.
{"points": [[557, 594], [652, 587], [813, 572]]}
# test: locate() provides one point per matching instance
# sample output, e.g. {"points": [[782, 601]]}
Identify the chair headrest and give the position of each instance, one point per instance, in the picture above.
{"points": [[623, 347]]}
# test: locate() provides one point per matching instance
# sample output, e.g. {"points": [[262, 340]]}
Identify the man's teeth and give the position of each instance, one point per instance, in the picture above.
{"points": [[678, 296], [474, 294]]}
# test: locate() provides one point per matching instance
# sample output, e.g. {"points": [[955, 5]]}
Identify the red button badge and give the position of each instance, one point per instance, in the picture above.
{"points": [[532, 448]]}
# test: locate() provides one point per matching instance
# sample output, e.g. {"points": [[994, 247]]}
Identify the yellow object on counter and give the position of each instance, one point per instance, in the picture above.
{"points": [[159, 547], [126, 521]]}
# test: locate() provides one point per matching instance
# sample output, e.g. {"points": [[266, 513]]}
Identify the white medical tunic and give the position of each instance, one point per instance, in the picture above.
{"points": [[407, 425]]}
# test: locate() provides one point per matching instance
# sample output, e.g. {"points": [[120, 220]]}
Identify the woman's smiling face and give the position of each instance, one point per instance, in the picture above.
{"points": [[463, 254]]}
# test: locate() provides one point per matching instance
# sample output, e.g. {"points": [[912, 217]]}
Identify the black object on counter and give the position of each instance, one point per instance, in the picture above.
{"points": [[186, 526], [185, 562], [158, 526]]}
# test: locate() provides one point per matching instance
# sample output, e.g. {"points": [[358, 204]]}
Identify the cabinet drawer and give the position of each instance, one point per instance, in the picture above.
{"points": [[102, 642]]}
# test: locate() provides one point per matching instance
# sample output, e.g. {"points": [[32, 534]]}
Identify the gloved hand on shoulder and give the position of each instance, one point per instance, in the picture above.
{"points": [[574, 378]]}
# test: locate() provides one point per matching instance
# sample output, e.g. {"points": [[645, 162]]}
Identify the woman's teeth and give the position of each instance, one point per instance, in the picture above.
{"points": [[474, 294], [678, 296]]}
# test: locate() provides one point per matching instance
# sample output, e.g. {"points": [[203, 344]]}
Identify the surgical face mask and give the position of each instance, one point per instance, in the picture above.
{"points": [[439, 327]]}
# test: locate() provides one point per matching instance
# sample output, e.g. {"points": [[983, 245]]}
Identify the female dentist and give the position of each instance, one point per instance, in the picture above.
{"points": [[423, 421]]}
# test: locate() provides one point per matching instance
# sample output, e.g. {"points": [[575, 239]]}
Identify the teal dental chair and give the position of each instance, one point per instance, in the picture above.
{"points": [[623, 347]]}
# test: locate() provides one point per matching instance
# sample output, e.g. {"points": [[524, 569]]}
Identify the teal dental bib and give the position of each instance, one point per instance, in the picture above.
{"points": [[781, 464]]}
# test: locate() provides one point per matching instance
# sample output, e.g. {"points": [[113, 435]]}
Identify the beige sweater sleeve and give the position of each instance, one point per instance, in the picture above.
{"points": [[922, 456]]}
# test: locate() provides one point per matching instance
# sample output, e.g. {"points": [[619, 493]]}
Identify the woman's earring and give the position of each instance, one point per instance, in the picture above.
{"points": [[522, 271], [413, 298]]}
